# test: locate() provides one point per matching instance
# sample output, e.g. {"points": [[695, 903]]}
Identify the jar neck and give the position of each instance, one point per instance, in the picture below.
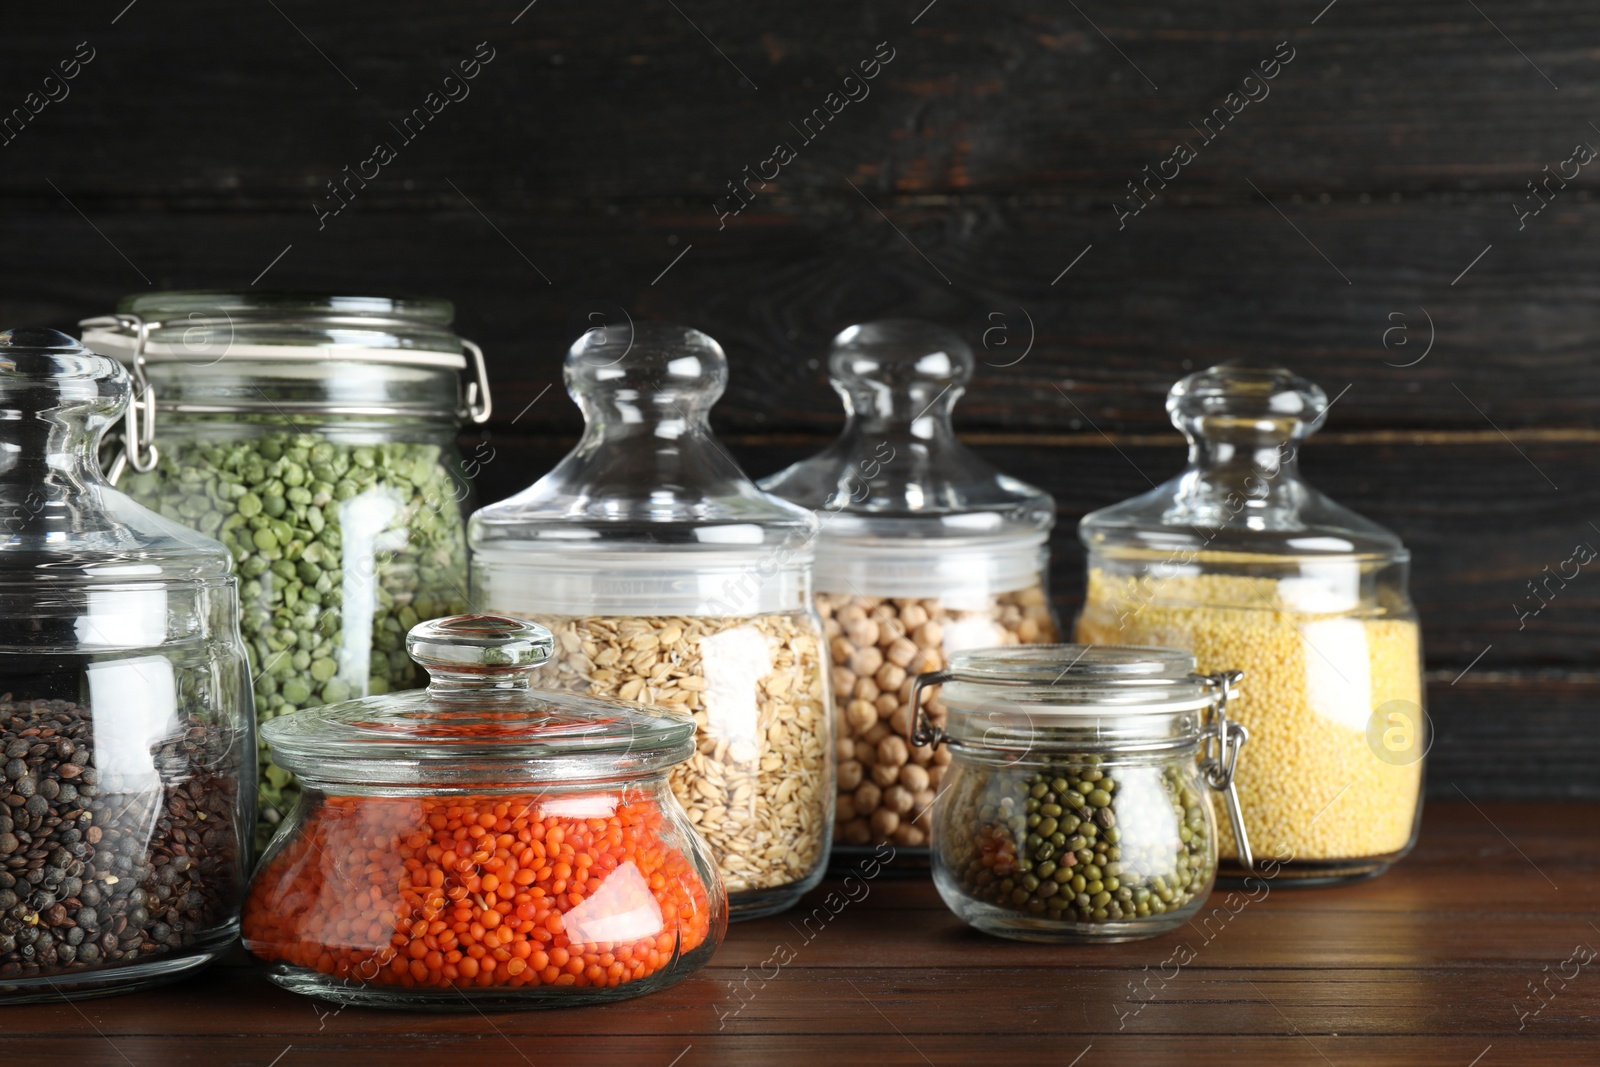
{"points": [[1266, 475]]}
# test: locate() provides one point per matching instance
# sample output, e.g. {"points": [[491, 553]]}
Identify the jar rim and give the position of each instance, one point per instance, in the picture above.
{"points": [[479, 736]]}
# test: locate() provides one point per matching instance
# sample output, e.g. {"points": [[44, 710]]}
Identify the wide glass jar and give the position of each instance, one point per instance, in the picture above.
{"points": [[1241, 562], [483, 844], [315, 436], [924, 550], [127, 766], [668, 577], [1078, 805]]}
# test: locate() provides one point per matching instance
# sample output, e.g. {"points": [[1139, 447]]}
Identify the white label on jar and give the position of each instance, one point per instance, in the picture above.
{"points": [[120, 618], [364, 528], [622, 911], [734, 662], [1338, 671], [135, 706], [976, 632]]}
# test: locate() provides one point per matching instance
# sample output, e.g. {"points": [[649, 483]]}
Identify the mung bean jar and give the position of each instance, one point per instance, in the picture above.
{"points": [[924, 550], [1078, 806], [669, 578], [127, 742], [483, 844], [1240, 561], [315, 436]]}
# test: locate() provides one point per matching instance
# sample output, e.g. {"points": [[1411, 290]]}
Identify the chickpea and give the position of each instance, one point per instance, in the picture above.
{"points": [[913, 776], [894, 751], [862, 714], [899, 799], [885, 822], [864, 661], [890, 677], [867, 797], [850, 774], [884, 775]]}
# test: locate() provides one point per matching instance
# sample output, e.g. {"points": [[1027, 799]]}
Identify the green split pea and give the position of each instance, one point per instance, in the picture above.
{"points": [[340, 548]]}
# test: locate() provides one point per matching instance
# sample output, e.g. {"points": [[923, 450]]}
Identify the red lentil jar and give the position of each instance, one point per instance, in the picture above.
{"points": [[481, 843]]}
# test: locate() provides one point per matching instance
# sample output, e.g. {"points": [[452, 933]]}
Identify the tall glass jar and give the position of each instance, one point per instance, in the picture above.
{"points": [[315, 436], [482, 843], [924, 550], [669, 578], [127, 769], [1078, 806], [1241, 562]]}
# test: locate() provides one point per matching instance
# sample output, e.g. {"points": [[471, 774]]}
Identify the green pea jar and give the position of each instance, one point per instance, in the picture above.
{"points": [[1078, 806], [315, 437]]}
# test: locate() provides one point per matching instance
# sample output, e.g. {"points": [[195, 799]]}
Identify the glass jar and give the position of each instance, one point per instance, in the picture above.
{"points": [[1078, 804], [668, 577], [924, 550], [127, 770], [482, 844], [315, 436], [1241, 562]]}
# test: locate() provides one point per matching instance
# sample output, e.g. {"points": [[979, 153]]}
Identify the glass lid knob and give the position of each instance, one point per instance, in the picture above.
{"points": [[640, 374], [479, 651], [1246, 403], [900, 370]]}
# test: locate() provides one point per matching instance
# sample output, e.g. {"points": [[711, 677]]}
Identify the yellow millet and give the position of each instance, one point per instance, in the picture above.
{"points": [[1309, 782]]}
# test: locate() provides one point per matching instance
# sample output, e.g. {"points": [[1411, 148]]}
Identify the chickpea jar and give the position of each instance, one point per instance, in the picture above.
{"points": [[924, 550], [1241, 562], [1078, 804]]}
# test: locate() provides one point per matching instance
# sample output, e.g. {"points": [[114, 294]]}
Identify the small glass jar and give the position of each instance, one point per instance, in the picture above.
{"points": [[315, 436], [1078, 804], [668, 577], [925, 550], [1241, 562], [127, 769], [482, 844]]}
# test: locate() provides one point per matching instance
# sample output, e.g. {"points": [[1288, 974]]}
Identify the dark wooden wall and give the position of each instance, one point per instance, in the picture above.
{"points": [[1392, 152]]}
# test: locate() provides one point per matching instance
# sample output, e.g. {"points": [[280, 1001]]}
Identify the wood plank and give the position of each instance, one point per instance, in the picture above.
{"points": [[1184, 289], [1298, 976], [1026, 96]]}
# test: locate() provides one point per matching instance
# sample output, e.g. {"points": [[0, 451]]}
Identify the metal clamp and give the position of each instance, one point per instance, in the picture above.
{"points": [[139, 449], [1218, 766], [922, 731], [479, 404]]}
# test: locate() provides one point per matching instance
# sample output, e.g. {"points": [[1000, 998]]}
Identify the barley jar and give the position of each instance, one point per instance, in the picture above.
{"points": [[924, 551], [1241, 562], [668, 578]]}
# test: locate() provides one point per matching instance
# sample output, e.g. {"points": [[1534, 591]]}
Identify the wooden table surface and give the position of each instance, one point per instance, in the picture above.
{"points": [[1434, 963]]}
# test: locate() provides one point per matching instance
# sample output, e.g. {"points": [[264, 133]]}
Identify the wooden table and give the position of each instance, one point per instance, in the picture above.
{"points": [[1430, 964]]}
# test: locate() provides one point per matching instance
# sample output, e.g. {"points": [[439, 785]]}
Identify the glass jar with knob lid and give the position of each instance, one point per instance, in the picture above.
{"points": [[127, 743], [668, 577], [924, 550], [482, 843], [1240, 561], [1078, 804], [315, 436]]}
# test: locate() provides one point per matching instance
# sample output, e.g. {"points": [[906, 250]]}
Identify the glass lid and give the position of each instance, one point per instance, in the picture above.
{"points": [[897, 471], [647, 475], [64, 527], [479, 721], [1241, 492], [1082, 679], [199, 327]]}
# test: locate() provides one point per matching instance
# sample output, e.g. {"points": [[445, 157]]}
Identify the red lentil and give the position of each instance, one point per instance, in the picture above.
{"points": [[478, 891]]}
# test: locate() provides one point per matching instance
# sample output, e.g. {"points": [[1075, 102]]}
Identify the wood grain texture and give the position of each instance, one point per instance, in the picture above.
{"points": [[1428, 964], [1375, 189]]}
